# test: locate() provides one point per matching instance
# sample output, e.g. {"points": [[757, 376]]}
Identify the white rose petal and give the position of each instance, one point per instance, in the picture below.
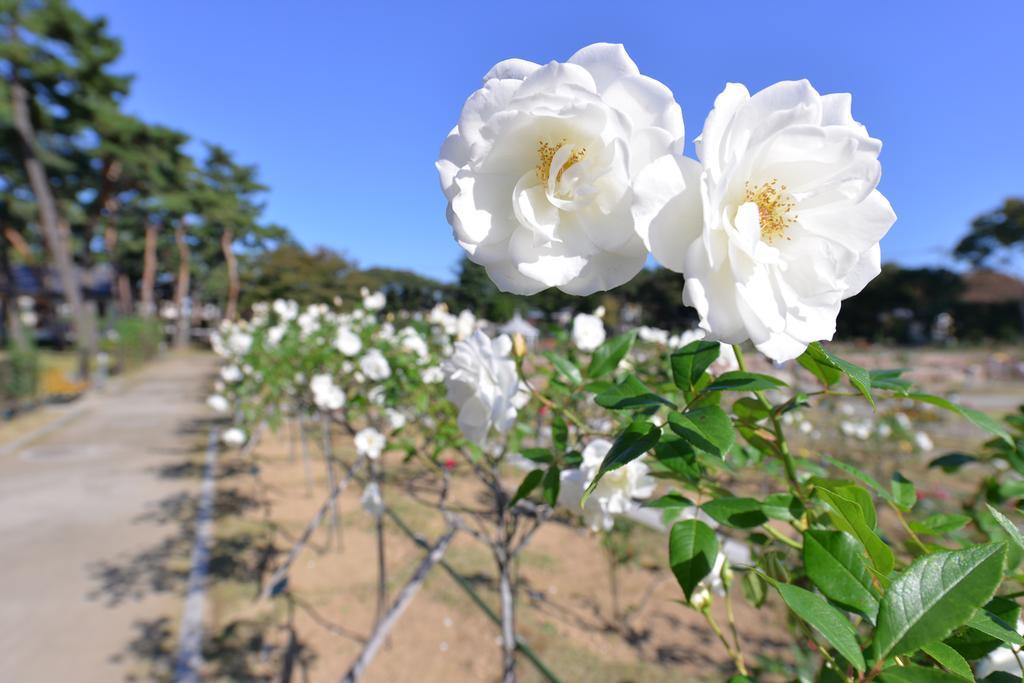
{"points": [[482, 381]]}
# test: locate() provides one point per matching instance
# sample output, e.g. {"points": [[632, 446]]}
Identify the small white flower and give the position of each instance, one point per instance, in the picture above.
{"points": [[465, 324], [275, 334], [231, 374], [375, 366], [778, 223], [348, 342], [587, 332], [233, 437], [432, 375], [326, 394], [481, 379], [411, 341], [369, 442], [615, 493], [286, 310], [373, 301], [218, 403], [923, 442], [396, 420]]}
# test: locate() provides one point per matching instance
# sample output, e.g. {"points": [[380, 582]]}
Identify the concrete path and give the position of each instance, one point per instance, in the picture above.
{"points": [[96, 527]]}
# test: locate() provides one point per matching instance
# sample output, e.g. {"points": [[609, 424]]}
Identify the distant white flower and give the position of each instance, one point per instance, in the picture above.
{"points": [[373, 301], [587, 332], [903, 421], [233, 437], [538, 172], [375, 366], [482, 380], [923, 442], [218, 403], [371, 500], [377, 395], [465, 324], [231, 374], [348, 342], [286, 310], [411, 341], [432, 375], [778, 223], [806, 427], [239, 343], [369, 442], [275, 334], [653, 335], [396, 420], [615, 493], [326, 394]]}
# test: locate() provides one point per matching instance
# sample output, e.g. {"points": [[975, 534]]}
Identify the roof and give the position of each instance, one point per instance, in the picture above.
{"points": [[991, 287]]}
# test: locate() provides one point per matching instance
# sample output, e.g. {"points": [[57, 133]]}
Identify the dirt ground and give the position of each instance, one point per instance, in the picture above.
{"points": [[563, 581], [95, 528]]}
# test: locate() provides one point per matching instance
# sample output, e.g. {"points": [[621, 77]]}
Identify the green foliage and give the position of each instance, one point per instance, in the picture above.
{"points": [[692, 549]]}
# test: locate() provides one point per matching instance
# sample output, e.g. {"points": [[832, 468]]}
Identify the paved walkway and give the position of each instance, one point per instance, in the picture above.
{"points": [[96, 526]]}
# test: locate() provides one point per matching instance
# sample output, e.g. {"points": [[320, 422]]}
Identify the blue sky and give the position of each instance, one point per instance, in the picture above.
{"points": [[343, 105]]}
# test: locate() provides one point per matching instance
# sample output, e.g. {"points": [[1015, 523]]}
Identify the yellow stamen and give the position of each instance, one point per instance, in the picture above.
{"points": [[774, 205], [547, 154]]}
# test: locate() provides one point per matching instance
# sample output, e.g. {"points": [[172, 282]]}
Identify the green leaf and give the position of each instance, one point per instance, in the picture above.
{"points": [[826, 373], [903, 492], [690, 362], [630, 394], [530, 482], [541, 455], [1011, 529], [976, 418], [858, 376], [744, 381], [708, 428], [951, 462], [949, 659], [937, 593], [559, 433], [671, 505], [638, 438], [848, 516], [890, 380], [565, 368], [608, 355], [835, 564], [692, 550], [550, 485], [783, 506], [914, 673], [863, 476], [991, 625], [750, 409], [973, 643], [826, 620], [741, 513], [940, 523]]}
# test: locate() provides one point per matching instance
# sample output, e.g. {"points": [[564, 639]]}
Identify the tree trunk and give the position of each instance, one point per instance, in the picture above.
{"points": [[184, 329], [49, 218], [146, 295], [226, 241], [14, 332]]}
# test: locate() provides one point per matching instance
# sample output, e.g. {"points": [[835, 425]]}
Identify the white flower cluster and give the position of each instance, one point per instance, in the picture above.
{"points": [[570, 174], [616, 493]]}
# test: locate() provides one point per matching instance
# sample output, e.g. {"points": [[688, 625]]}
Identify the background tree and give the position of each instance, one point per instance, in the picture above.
{"points": [[995, 236]]}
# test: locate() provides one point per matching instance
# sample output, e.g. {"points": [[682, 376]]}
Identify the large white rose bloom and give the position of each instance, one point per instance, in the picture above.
{"points": [[482, 381], [539, 170], [369, 442], [326, 394], [587, 332], [778, 223], [615, 493], [375, 366]]}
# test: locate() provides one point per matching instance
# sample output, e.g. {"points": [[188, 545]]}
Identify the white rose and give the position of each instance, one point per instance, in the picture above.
{"points": [[375, 366], [539, 170], [465, 324], [233, 437], [218, 403], [615, 493], [286, 310], [275, 334], [373, 301], [778, 223], [432, 375], [231, 374], [326, 394], [396, 420], [411, 341], [369, 442], [587, 332], [481, 379], [348, 342]]}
